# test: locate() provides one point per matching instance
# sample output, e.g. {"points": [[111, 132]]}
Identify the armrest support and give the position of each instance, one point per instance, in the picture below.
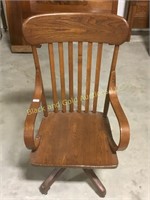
{"points": [[123, 124], [121, 117], [32, 142]]}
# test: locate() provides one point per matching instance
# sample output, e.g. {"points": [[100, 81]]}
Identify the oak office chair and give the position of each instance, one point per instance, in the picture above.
{"points": [[75, 138]]}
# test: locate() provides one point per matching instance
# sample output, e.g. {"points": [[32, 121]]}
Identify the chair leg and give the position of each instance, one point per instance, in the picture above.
{"points": [[45, 186], [95, 180]]}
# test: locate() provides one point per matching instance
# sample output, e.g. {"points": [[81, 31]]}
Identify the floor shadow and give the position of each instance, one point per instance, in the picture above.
{"points": [[145, 38], [41, 173]]}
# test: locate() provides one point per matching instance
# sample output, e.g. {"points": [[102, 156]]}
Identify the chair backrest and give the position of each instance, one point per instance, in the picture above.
{"points": [[75, 27]]}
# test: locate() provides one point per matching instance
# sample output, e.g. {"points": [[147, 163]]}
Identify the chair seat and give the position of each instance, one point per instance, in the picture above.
{"points": [[74, 139]]}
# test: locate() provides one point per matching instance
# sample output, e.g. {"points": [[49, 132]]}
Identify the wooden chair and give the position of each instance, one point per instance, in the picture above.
{"points": [[75, 138]]}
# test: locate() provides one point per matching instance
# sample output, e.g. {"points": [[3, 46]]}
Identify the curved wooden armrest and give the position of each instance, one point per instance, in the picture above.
{"points": [[32, 142], [123, 123]]}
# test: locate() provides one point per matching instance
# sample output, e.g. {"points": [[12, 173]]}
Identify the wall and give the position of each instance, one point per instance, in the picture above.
{"points": [[122, 5]]}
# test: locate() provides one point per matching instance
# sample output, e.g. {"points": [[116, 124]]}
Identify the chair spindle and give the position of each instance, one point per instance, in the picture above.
{"points": [[97, 76], [53, 76], [80, 47], [88, 75], [70, 56], [62, 78]]}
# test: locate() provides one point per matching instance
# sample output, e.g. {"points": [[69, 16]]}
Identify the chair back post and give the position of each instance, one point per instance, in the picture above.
{"points": [[112, 80], [40, 81]]}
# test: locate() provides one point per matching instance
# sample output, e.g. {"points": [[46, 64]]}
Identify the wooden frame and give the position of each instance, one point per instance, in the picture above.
{"points": [[75, 126], [138, 14]]}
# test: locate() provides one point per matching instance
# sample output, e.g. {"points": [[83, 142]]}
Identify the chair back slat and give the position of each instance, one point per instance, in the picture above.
{"points": [[86, 27], [80, 47], [97, 76], [88, 76], [53, 76], [62, 75], [70, 58]]}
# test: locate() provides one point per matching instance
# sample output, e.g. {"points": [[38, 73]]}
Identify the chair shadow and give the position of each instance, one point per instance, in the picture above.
{"points": [[38, 173]]}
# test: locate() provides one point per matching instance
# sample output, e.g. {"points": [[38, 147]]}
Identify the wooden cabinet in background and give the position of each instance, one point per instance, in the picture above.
{"points": [[138, 14], [17, 11]]}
